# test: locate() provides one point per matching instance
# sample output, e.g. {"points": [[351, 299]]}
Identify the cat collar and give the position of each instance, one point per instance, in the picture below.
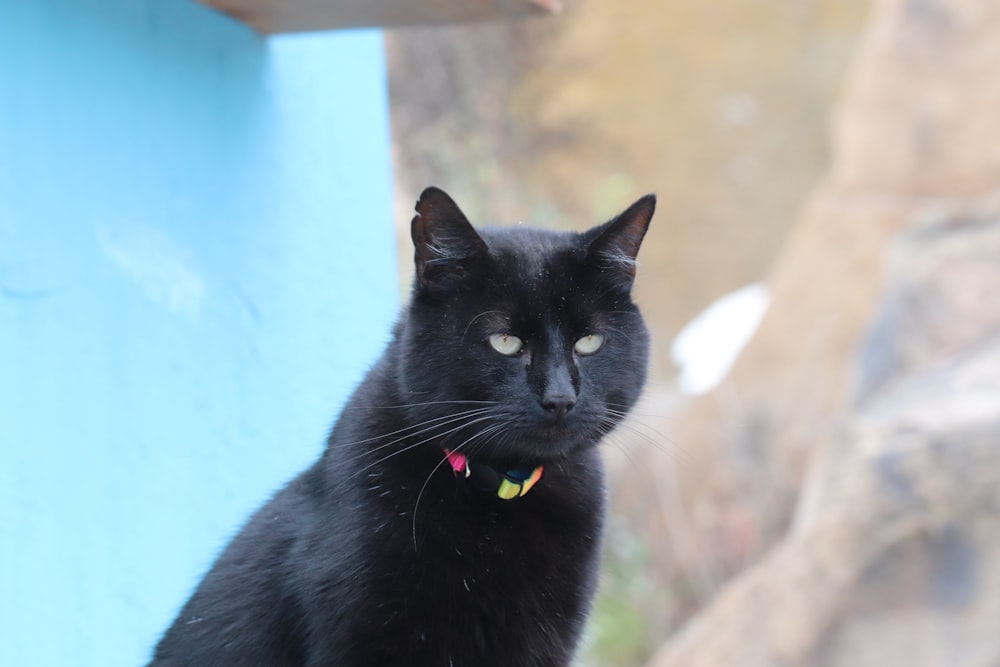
{"points": [[507, 485]]}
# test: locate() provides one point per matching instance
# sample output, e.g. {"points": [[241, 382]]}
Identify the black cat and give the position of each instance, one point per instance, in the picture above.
{"points": [[455, 517]]}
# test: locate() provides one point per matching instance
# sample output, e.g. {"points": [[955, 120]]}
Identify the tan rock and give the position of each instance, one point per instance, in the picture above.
{"points": [[887, 389], [900, 525], [749, 442]]}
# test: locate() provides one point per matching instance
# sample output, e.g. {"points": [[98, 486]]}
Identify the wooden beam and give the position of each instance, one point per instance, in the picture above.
{"points": [[281, 16]]}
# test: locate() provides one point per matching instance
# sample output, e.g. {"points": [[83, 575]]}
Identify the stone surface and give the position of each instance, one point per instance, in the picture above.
{"points": [[944, 292], [857, 438], [898, 529]]}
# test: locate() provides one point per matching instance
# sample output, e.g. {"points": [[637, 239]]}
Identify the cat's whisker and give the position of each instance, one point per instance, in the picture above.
{"points": [[419, 405], [484, 434], [479, 440], [640, 411], [424, 441], [429, 429], [617, 331], [473, 321], [613, 440], [658, 440], [420, 425], [420, 494]]}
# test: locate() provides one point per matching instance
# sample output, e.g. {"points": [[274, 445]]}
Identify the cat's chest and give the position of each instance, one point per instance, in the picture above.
{"points": [[474, 544], [484, 573]]}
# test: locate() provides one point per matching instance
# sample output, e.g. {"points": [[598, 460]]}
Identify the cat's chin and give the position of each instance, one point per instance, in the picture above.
{"points": [[550, 443]]}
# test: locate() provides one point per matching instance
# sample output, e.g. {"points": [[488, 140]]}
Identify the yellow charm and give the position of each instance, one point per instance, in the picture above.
{"points": [[508, 489], [511, 488]]}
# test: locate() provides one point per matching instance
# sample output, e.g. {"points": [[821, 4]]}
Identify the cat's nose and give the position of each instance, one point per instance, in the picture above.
{"points": [[559, 395], [558, 404]]}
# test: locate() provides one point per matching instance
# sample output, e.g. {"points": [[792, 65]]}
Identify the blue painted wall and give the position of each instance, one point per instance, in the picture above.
{"points": [[196, 266]]}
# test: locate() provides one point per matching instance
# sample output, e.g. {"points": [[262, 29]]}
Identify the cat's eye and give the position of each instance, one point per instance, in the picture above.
{"points": [[589, 344], [506, 344]]}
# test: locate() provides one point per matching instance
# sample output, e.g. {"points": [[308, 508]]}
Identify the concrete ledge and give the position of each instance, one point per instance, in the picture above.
{"points": [[282, 16]]}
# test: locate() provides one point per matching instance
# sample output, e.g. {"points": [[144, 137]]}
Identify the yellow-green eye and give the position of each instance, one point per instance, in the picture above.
{"points": [[506, 344], [589, 344]]}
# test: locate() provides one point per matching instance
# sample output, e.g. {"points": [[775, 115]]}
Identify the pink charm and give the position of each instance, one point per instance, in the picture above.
{"points": [[459, 463]]}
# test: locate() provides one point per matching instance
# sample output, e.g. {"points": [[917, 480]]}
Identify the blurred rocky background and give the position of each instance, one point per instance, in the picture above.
{"points": [[835, 500]]}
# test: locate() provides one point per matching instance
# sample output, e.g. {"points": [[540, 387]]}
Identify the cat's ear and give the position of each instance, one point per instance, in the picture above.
{"points": [[615, 244], [445, 245]]}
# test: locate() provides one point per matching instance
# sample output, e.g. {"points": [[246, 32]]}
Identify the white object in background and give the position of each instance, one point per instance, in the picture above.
{"points": [[707, 346]]}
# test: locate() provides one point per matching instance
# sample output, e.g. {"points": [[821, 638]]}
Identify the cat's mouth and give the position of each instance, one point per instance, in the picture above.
{"points": [[558, 435]]}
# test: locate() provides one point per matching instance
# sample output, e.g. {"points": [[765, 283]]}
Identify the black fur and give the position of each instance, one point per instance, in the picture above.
{"points": [[380, 554]]}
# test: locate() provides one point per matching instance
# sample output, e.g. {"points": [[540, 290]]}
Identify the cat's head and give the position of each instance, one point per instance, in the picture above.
{"points": [[522, 345]]}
